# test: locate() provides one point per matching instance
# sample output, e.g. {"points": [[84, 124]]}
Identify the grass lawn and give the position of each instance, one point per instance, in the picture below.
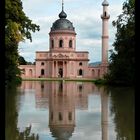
{"points": [[59, 79]]}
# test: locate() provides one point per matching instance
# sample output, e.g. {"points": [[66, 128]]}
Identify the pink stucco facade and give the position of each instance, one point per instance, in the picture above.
{"points": [[62, 60]]}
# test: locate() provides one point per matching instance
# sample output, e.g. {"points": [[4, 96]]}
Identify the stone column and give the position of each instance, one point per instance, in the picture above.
{"points": [[67, 75], [63, 68], [56, 68], [52, 68]]}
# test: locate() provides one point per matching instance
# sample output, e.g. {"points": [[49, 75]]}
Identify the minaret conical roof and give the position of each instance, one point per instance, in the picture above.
{"points": [[105, 3]]}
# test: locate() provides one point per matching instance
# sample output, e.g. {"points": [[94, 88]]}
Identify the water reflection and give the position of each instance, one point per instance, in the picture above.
{"points": [[63, 99], [11, 130], [61, 110], [122, 106], [104, 113], [71, 111]]}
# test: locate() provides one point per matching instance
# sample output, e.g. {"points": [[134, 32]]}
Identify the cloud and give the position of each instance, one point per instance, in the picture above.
{"points": [[85, 16]]}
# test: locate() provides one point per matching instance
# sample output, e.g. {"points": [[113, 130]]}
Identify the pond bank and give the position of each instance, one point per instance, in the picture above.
{"points": [[59, 79], [95, 81]]}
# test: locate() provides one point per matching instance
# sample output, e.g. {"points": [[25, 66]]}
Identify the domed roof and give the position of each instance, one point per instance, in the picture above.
{"points": [[62, 132], [105, 3], [62, 23]]}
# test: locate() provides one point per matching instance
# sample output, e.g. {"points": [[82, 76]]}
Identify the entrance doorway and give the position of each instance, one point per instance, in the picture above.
{"points": [[60, 72]]}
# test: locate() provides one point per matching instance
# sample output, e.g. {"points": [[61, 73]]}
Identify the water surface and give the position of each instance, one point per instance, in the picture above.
{"points": [[60, 110]]}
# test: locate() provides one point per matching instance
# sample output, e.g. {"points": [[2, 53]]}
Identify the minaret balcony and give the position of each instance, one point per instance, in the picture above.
{"points": [[105, 16]]}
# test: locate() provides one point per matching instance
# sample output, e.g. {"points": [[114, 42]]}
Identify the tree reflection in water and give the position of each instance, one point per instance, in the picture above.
{"points": [[122, 106], [63, 100], [11, 130]]}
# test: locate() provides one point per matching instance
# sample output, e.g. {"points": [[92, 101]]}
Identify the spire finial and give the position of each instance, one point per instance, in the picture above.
{"points": [[62, 14], [62, 5]]}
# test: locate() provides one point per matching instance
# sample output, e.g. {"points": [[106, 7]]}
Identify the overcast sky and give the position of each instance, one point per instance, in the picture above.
{"points": [[85, 16]]}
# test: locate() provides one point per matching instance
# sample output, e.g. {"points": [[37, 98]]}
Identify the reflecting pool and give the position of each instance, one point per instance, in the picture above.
{"points": [[61, 110]]}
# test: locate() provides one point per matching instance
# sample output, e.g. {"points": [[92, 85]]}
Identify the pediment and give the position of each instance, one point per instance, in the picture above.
{"points": [[61, 56]]}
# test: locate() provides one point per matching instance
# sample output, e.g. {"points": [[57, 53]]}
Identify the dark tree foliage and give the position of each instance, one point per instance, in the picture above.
{"points": [[122, 64], [22, 61], [17, 28]]}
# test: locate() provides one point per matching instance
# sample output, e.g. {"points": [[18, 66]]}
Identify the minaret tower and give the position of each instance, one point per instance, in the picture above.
{"points": [[105, 37]]}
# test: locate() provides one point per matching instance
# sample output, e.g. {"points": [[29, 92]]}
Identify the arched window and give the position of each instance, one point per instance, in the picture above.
{"points": [[70, 44], [105, 14], [51, 115], [30, 72], [80, 88], [52, 43], [98, 72], [42, 71], [93, 72], [80, 64], [80, 72], [60, 116], [42, 63], [60, 43]]}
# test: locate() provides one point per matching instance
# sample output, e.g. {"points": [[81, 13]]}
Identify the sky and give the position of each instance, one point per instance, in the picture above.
{"points": [[85, 16]]}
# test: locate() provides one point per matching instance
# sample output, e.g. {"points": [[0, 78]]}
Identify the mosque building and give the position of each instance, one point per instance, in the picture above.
{"points": [[62, 60]]}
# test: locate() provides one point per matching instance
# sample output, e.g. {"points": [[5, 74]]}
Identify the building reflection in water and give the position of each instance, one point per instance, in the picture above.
{"points": [[63, 98], [61, 110], [104, 113]]}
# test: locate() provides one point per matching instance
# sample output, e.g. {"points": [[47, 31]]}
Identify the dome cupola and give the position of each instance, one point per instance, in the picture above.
{"points": [[62, 23], [62, 34], [62, 14]]}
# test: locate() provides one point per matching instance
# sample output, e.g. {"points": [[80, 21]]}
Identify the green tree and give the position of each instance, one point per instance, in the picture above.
{"points": [[22, 61], [18, 27], [122, 60]]}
